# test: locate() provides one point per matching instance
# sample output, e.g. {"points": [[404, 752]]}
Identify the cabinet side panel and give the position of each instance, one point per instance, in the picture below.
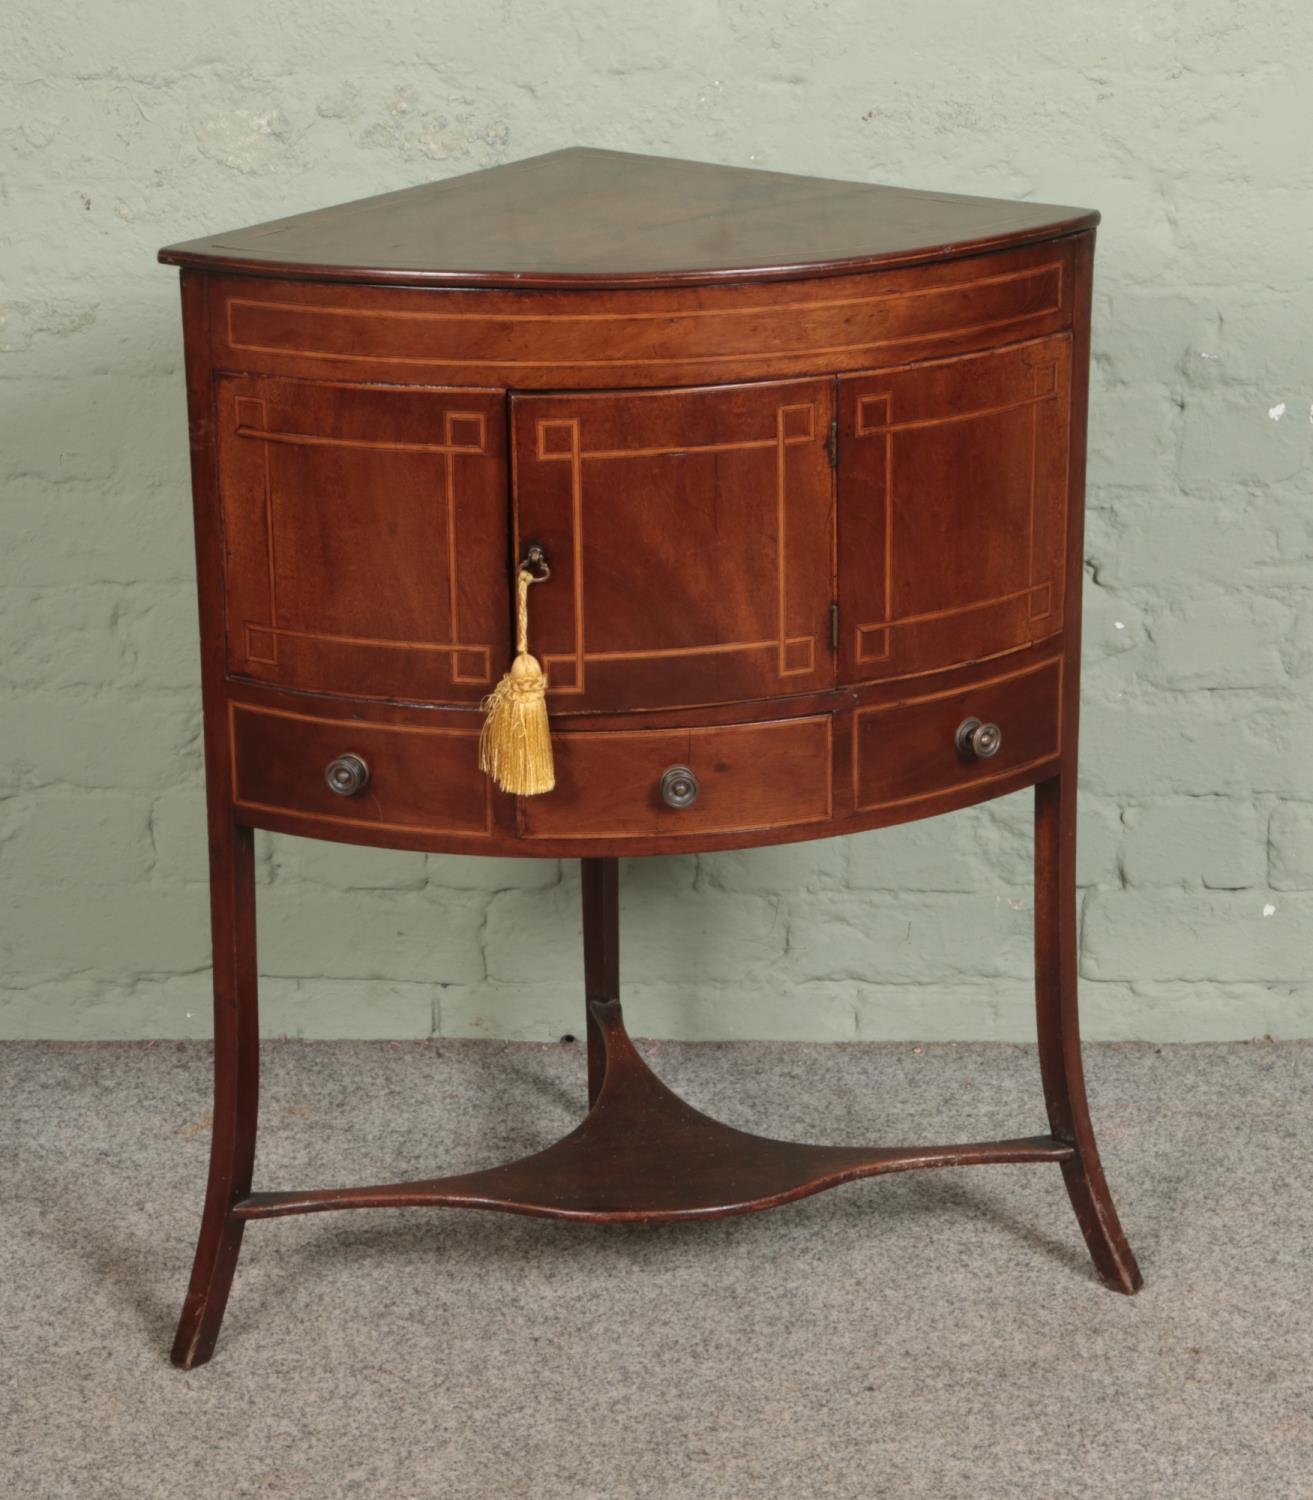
{"points": [[1082, 295], [208, 535]]}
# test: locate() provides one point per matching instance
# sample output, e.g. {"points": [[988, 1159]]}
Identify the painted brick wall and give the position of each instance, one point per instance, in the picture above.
{"points": [[123, 126]]}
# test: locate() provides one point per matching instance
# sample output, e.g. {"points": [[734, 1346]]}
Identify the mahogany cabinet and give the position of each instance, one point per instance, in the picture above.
{"points": [[804, 460]]}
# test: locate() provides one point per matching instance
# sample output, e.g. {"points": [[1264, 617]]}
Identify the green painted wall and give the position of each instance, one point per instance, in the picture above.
{"points": [[125, 125]]}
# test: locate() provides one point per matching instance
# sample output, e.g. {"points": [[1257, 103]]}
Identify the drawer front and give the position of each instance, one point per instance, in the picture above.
{"points": [[952, 509], [418, 780], [366, 537], [749, 776], [904, 752], [691, 539]]}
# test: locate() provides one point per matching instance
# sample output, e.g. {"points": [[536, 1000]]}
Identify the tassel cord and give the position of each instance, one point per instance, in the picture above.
{"points": [[522, 611], [515, 746]]}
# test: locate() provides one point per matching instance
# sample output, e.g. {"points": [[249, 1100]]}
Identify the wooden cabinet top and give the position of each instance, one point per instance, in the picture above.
{"points": [[588, 218]]}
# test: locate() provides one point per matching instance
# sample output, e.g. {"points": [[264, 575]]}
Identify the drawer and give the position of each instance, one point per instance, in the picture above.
{"points": [[748, 776], [908, 750], [416, 778]]}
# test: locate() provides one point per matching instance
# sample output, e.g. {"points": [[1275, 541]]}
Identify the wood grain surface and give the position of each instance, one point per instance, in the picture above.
{"points": [[583, 216]]}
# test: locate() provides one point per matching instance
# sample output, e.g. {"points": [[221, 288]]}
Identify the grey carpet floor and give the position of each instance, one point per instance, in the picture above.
{"points": [[933, 1334]]}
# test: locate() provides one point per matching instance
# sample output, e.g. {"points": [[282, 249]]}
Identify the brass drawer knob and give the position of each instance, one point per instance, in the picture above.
{"points": [[347, 775], [679, 787], [978, 740]]}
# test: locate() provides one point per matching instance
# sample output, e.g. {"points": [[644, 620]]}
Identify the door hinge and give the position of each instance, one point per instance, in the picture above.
{"points": [[832, 444], [834, 627]]}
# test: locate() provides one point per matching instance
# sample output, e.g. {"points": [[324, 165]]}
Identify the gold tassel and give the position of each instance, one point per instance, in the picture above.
{"points": [[515, 746]]}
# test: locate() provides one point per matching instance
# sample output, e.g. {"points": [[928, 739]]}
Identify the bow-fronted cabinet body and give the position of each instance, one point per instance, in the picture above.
{"points": [[803, 462]]}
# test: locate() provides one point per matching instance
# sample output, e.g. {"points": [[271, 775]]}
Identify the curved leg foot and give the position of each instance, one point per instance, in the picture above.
{"points": [[236, 1075], [1059, 1034]]}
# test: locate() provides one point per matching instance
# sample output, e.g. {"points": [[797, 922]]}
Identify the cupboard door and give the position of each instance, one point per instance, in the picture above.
{"points": [[366, 537], [952, 509], [691, 539]]}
